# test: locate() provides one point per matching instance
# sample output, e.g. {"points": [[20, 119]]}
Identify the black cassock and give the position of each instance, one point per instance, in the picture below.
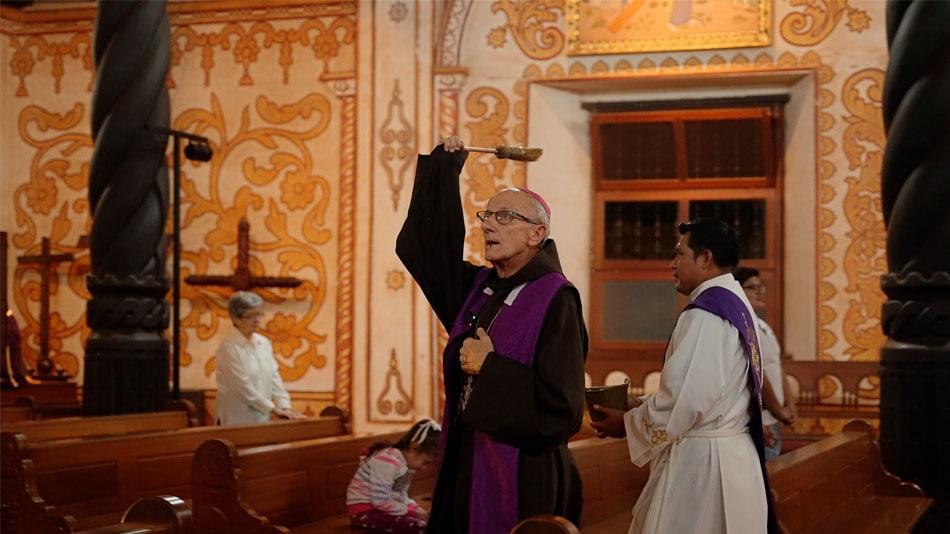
{"points": [[536, 409]]}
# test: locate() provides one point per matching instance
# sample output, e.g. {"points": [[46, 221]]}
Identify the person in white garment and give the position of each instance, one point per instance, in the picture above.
{"points": [[778, 407], [698, 430], [250, 389]]}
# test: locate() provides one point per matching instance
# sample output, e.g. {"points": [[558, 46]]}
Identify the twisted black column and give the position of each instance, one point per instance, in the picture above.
{"points": [[915, 194], [126, 365]]}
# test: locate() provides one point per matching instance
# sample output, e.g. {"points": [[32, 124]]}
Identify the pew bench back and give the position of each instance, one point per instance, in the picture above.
{"points": [[612, 483], [301, 486], [94, 480], [279, 487], [99, 426], [839, 485]]}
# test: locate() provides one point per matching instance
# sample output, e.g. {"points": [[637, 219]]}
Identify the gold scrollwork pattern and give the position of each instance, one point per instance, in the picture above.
{"points": [[815, 23], [23, 61], [490, 109], [864, 258], [533, 25], [819, 19], [296, 242], [325, 38], [52, 196]]}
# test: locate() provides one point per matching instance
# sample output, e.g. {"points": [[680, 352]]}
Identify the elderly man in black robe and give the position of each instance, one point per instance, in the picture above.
{"points": [[514, 363]]}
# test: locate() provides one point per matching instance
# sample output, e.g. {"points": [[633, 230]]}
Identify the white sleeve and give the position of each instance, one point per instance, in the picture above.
{"points": [[691, 383]]}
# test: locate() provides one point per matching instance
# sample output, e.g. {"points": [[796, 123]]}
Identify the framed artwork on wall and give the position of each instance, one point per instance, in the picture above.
{"points": [[629, 26]]}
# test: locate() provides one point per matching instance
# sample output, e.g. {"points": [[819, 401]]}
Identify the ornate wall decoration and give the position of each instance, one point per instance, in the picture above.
{"points": [[864, 259], [397, 12], [49, 200], [396, 279], [450, 31], [533, 26], [485, 174], [325, 40], [296, 242], [819, 19], [345, 88], [77, 45], [393, 399], [398, 152]]}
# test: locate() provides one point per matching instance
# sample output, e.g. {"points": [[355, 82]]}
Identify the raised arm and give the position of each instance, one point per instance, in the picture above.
{"points": [[431, 241]]}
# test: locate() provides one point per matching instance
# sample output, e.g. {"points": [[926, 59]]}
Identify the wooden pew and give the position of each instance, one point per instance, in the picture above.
{"points": [[301, 486], [94, 480], [298, 486], [612, 483], [106, 425], [817, 418], [16, 414], [158, 514], [839, 485]]}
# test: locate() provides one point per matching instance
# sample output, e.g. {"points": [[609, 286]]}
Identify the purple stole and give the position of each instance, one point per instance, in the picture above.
{"points": [[514, 333], [727, 305]]}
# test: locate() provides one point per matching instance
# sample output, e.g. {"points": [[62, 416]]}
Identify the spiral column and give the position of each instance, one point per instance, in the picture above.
{"points": [[915, 186], [127, 361]]}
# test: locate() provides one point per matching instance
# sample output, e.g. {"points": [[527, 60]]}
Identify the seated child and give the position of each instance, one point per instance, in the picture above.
{"points": [[377, 498]]}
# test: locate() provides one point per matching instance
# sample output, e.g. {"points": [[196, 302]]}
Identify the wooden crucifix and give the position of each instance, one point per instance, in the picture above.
{"points": [[242, 279], [45, 365]]}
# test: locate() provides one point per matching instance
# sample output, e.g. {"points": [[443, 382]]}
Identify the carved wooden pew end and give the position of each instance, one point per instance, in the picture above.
{"points": [[545, 524], [160, 514], [95, 480]]}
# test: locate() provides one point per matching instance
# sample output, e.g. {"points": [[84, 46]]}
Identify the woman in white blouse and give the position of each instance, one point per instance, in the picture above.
{"points": [[250, 389]]}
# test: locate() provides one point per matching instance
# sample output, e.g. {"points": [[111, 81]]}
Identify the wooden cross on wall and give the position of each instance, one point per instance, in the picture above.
{"points": [[44, 365], [242, 279]]}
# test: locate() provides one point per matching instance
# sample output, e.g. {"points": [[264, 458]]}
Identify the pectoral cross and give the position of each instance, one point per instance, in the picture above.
{"points": [[242, 279], [44, 365]]}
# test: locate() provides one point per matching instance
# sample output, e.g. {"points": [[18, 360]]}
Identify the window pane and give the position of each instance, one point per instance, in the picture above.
{"points": [[724, 148], [637, 150], [638, 310], [746, 216], [639, 230]]}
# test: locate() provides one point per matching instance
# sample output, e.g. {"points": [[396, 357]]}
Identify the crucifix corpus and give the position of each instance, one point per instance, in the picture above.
{"points": [[45, 365], [242, 279]]}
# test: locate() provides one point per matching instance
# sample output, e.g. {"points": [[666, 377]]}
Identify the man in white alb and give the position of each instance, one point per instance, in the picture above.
{"points": [[702, 431]]}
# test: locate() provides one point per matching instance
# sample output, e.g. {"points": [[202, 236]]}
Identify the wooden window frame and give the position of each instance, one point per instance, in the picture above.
{"points": [[684, 190]]}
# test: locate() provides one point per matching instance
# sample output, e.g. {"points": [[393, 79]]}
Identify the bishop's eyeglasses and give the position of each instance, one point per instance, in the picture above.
{"points": [[502, 217]]}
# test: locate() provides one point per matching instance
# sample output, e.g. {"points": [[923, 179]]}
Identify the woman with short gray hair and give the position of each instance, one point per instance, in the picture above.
{"points": [[250, 389]]}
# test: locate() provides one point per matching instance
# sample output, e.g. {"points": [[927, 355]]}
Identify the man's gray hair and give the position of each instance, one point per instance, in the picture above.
{"points": [[241, 302], [541, 215]]}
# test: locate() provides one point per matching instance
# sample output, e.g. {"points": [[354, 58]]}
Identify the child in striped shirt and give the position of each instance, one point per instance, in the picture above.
{"points": [[377, 498]]}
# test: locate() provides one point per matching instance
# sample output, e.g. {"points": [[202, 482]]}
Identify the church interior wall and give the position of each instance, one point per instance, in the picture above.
{"points": [[316, 143]]}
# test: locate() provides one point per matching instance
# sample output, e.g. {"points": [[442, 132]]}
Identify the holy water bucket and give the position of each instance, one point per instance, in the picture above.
{"points": [[607, 396]]}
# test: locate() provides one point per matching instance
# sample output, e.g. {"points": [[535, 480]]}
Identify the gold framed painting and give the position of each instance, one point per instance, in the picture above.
{"points": [[624, 26]]}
